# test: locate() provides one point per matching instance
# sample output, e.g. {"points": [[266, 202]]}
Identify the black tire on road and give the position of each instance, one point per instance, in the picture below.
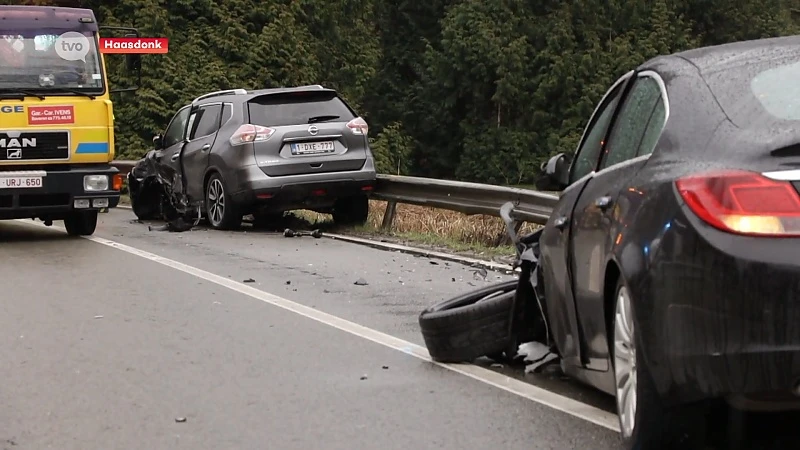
{"points": [[470, 325], [81, 223]]}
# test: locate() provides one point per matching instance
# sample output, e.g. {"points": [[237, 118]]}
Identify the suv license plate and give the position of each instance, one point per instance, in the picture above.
{"points": [[312, 148]]}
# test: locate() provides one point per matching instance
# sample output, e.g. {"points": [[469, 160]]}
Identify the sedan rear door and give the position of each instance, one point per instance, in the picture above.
{"points": [[596, 227], [555, 240]]}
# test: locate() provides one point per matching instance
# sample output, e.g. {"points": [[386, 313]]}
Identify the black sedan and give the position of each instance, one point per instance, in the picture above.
{"points": [[670, 266]]}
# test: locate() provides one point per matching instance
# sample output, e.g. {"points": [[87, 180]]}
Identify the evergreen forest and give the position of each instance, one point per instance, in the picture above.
{"points": [[477, 90]]}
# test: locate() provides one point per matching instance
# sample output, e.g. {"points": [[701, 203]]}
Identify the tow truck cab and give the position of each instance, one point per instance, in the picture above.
{"points": [[56, 117]]}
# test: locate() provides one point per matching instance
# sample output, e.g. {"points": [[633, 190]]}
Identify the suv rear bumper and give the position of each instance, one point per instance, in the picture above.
{"points": [[56, 198], [255, 187]]}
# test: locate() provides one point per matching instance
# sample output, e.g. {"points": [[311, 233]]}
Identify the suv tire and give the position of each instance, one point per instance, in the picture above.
{"points": [[221, 212], [351, 210]]}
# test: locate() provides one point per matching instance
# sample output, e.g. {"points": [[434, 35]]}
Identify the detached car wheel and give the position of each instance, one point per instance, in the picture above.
{"points": [[470, 325], [81, 223], [645, 422], [222, 213]]}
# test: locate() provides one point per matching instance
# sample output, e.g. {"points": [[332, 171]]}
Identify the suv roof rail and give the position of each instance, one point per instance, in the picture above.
{"points": [[220, 93]]}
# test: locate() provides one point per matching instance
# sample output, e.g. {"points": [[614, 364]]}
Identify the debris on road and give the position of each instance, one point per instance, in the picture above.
{"points": [[480, 274], [363, 377], [537, 355], [180, 419], [316, 234], [361, 282], [249, 280], [98, 317]]}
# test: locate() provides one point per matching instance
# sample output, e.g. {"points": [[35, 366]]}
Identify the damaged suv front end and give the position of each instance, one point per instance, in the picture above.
{"points": [[157, 193]]}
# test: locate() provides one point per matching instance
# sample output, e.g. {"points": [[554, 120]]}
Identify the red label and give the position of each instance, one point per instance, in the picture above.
{"points": [[51, 115], [134, 45]]}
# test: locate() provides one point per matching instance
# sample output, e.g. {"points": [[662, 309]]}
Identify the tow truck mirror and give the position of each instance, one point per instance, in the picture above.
{"points": [[133, 62], [158, 142]]}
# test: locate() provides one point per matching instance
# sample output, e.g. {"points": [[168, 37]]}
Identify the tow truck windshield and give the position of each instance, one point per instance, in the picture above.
{"points": [[50, 62]]}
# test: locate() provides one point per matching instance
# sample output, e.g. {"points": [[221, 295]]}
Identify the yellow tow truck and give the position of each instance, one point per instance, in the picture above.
{"points": [[56, 117]]}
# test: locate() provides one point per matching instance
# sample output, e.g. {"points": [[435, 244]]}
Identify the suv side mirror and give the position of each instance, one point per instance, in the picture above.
{"points": [[158, 142], [556, 174]]}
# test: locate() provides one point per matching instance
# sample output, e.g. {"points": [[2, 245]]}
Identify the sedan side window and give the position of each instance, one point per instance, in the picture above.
{"points": [[174, 133], [589, 151], [629, 129], [654, 129]]}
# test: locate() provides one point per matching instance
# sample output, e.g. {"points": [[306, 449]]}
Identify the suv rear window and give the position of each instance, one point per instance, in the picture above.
{"points": [[295, 108]]}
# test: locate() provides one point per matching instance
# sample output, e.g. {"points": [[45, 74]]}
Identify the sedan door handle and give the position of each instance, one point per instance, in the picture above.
{"points": [[205, 147], [603, 202], [176, 156], [561, 223]]}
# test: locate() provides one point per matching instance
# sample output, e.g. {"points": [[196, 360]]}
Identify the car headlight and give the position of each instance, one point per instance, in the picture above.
{"points": [[95, 183]]}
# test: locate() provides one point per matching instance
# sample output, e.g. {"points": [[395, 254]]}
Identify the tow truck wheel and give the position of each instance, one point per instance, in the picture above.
{"points": [[81, 223]]}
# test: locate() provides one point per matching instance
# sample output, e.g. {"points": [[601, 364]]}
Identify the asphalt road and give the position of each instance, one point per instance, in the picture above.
{"points": [[105, 348]]}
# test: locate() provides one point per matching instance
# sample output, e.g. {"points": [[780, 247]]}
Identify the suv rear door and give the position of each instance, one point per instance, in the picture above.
{"points": [[311, 133], [203, 126]]}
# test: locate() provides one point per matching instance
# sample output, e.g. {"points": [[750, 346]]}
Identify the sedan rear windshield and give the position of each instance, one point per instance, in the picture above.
{"points": [[298, 108], [760, 93]]}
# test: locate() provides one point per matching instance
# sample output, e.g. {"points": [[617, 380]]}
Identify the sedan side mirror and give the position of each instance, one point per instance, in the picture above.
{"points": [[556, 174], [158, 142]]}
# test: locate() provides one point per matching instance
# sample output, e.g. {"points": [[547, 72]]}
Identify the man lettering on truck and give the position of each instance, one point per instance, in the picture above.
{"points": [[56, 118]]}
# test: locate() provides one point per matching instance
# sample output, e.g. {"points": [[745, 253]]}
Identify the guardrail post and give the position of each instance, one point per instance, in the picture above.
{"points": [[388, 216]]}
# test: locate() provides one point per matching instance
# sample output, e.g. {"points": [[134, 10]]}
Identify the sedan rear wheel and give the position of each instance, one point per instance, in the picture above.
{"points": [[645, 421], [625, 372]]}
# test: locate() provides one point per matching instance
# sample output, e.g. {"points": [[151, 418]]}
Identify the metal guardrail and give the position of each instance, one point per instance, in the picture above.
{"points": [[468, 198]]}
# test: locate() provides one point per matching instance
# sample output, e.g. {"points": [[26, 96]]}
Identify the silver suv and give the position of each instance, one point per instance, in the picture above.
{"points": [[268, 151]]}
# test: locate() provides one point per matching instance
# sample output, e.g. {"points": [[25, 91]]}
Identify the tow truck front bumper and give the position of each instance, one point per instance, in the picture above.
{"points": [[52, 194]]}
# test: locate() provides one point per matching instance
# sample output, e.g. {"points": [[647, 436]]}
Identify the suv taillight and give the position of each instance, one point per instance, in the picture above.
{"points": [[251, 133], [358, 126], [743, 202]]}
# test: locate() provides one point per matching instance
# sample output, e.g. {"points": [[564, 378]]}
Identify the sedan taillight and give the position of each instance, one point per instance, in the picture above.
{"points": [[743, 202]]}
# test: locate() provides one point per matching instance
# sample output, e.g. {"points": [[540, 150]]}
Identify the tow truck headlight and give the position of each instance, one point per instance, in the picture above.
{"points": [[93, 183]]}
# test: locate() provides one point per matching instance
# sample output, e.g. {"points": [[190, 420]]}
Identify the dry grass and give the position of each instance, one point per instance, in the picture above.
{"points": [[434, 226]]}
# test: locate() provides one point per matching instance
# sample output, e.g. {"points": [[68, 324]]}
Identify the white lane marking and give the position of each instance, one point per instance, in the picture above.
{"points": [[542, 396]]}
